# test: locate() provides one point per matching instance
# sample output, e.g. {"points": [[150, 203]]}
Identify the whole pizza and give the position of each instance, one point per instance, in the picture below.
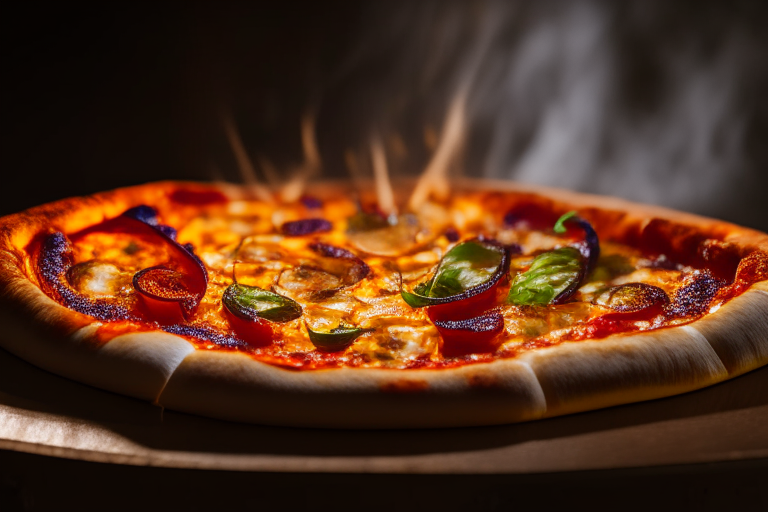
{"points": [[496, 304]]}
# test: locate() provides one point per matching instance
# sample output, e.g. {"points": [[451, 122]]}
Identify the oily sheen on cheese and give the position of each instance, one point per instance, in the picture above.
{"points": [[242, 241]]}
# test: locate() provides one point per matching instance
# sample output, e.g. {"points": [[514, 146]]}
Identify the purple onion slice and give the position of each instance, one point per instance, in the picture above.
{"points": [[305, 227], [352, 269], [191, 272]]}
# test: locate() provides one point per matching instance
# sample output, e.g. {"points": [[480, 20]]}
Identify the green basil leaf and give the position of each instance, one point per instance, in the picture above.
{"points": [[553, 276], [251, 302], [337, 338], [560, 224], [465, 267]]}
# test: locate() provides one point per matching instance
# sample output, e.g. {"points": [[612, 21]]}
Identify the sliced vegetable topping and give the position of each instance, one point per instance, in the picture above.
{"points": [[467, 270], [375, 234], [165, 294], [633, 297], [470, 336], [251, 303], [694, 297], [251, 310], [305, 227], [184, 273], [163, 283], [337, 338], [308, 283], [551, 279], [351, 269], [631, 302], [554, 276], [589, 247]]}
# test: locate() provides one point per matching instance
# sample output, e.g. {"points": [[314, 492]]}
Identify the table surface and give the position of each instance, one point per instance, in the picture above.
{"points": [[43, 414]]}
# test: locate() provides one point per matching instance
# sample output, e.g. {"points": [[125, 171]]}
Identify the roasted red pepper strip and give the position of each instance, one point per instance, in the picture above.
{"points": [[476, 335], [184, 275]]}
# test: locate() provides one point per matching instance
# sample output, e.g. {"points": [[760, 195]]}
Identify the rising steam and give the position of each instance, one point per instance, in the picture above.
{"points": [[623, 98]]}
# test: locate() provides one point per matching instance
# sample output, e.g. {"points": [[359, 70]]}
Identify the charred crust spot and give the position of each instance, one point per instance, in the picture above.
{"points": [[405, 386], [693, 298], [487, 323], [483, 381], [54, 261], [205, 333]]}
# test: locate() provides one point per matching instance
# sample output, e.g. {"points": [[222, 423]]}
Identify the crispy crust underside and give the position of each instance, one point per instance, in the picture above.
{"points": [[567, 378]]}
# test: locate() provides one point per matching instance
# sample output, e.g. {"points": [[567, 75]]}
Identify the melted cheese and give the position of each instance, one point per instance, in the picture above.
{"points": [[239, 240]]}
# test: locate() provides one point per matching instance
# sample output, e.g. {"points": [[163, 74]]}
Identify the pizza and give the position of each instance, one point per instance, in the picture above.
{"points": [[494, 305]]}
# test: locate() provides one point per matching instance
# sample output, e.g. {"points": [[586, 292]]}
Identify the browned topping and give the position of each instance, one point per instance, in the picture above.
{"points": [[648, 276]]}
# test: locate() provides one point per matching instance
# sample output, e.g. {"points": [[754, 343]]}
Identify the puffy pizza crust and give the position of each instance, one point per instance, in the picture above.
{"points": [[562, 379], [233, 386], [44, 333]]}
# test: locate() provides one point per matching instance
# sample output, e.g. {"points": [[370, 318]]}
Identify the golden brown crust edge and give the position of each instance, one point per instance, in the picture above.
{"points": [[57, 339], [568, 378]]}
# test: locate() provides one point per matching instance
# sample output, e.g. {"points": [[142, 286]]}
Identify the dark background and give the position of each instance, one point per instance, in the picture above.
{"points": [[660, 102], [97, 96]]}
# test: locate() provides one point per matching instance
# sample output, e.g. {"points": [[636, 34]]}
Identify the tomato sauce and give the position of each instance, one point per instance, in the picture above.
{"points": [[697, 270]]}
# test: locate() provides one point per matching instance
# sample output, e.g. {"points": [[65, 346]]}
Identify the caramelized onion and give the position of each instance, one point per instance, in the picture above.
{"points": [[309, 283], [385, 239], [352, 268], [633, 297]]}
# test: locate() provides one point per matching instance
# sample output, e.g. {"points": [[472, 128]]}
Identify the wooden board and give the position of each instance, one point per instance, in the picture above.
{"points": [[44, 414]]}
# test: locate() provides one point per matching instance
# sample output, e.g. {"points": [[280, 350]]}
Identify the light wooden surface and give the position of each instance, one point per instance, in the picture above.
{"points": [[45, 414]]}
